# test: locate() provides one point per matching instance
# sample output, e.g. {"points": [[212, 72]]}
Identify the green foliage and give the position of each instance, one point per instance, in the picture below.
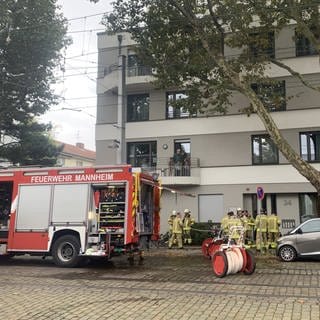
{"points": [[33, 146], [184, 41], [32, 34], [202, 230], [214, 50]]}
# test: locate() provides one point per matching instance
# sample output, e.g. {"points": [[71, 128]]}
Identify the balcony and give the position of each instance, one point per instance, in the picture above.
{"points": [[175, 175], [138, 71], [137, 78]]}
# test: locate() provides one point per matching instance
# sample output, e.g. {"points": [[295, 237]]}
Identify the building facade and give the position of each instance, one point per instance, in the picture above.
{"points": [[75, 155], [224, 158]]}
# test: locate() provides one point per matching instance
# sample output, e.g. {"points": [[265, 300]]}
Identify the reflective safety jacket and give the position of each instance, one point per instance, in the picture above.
{"points": [[235, 222], [250, 224], [187, 223], [261, 223], [170, 222], [224, 223], [245, 222], [177, 225], [273, 223]]}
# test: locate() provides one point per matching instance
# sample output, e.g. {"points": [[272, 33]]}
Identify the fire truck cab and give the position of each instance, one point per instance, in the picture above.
{"points": [[71, 213]]}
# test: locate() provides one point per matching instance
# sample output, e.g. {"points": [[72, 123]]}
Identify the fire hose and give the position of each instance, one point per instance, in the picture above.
{"points": [[227, 256]]}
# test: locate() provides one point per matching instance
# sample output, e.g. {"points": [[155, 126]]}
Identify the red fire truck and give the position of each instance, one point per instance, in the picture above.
{"points": [[73, 213]]}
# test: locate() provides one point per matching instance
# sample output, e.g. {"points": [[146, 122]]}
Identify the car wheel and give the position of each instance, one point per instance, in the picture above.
{"points": [[287, 253]]}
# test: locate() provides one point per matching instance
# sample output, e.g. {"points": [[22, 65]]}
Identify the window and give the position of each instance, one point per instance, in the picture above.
{"points": [[142, 154], [307, 206], [184, 145], [261, 44], [310, 146], [272, 95], [304, 47], [136, 68], [60, 161], [264, 150], [175, 106], [138, 107], [311, 226]]}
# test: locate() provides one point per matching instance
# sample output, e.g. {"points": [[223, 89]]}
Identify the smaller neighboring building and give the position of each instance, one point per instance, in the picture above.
{"points": [[75, 156]]}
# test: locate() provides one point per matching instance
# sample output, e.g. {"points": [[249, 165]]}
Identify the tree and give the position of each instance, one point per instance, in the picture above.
{"points": [[32, 35], [33, 146], [185, 41]]}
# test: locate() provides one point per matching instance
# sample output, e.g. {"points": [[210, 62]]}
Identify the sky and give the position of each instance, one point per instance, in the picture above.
{"points": [[74, 118]]}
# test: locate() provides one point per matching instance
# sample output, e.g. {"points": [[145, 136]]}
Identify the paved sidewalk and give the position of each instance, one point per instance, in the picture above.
{"points": [[171, 284]]}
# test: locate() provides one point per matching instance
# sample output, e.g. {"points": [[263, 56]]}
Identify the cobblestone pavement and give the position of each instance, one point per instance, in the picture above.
{"points": [[175, 284]]}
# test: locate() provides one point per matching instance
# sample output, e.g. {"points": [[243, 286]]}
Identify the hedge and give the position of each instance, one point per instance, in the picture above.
{"points": [[203, 230]]}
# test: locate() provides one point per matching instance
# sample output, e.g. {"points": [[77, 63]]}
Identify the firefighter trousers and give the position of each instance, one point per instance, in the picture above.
{"points": [[178, 238], [272, 239], [261, 240], [187, 236]]}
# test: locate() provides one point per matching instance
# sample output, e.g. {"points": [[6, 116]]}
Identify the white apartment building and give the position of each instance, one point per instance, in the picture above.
{"points": [[229, 156]]}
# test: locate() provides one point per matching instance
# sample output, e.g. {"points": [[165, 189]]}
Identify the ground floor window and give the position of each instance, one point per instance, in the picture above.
{"points": [[307, 206]]}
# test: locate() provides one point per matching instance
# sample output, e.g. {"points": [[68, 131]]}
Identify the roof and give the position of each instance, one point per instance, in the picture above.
{"points": [[77, 150]]}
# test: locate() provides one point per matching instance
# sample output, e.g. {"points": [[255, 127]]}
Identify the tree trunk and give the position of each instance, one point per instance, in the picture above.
{"points": [[303, 167]]}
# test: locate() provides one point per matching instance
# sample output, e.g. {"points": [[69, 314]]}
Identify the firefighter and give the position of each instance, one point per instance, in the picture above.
{"points": [[273, 230], [188, 221], [250, 230], [170, 221], [261, 230], [225, 223], [234, 221], [177, 228], [248, 224]]}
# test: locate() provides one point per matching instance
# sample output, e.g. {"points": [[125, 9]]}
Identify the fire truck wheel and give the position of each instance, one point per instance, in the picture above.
{"points": [[65, 251]]}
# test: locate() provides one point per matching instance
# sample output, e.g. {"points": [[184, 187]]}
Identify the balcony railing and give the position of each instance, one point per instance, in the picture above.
{"points": [[137, 71], [166, 168]]}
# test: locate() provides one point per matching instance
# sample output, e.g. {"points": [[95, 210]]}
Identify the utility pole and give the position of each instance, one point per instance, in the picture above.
{"points": [[121, 151]]}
